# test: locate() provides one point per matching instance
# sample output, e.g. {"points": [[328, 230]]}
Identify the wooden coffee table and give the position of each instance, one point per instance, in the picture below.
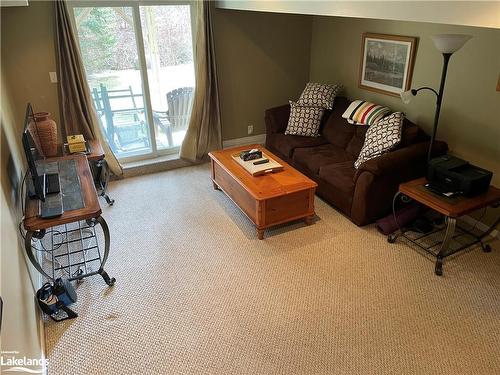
{"points": [[267, 200]]}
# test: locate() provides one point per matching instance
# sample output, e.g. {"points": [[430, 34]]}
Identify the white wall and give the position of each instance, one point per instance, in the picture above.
{"points": [[21, 324], [465, 13]]}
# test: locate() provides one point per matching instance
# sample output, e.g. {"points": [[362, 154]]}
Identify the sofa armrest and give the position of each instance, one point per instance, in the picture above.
{"points": [[395, 161], [277, 119], [378, 179]]}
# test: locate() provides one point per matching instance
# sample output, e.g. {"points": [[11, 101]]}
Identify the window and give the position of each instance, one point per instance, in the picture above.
{"points": [[139, 64]]}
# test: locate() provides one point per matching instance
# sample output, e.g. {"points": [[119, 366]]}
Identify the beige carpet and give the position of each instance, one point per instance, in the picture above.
{"points": [[197, 293]]}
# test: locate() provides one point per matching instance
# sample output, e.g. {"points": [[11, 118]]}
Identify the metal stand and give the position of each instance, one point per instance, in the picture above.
{"points": [[74, 250], [451, 230], [100, 171]]}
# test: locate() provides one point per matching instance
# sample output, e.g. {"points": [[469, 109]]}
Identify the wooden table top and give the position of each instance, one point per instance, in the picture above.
{"points": [[92, 209], [271, 185], [452, 207], [96, 150]]}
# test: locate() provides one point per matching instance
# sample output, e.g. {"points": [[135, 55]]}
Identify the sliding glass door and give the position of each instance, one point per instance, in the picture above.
{"points": [[138, 57]]}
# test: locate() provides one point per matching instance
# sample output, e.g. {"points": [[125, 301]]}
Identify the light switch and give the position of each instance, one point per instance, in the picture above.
{"points": [[53, 77]]}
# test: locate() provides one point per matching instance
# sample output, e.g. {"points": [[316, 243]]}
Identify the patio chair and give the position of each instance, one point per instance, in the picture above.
{"points": [[124, 123], [179, 103]]}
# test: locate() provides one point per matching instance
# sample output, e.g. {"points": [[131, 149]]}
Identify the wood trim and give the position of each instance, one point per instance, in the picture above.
{"points": [[34, 222], [266, 200], [452, 207], [96, 150], [413, 49], [287, 181]]}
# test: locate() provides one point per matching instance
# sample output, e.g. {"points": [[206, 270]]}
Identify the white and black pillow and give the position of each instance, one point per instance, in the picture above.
{"points": [[304, 120], [319, 95], [381, 137]]}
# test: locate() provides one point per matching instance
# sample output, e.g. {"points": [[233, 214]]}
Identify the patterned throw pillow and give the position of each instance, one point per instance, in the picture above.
{"points": [[304, 120], [361, 112], [319, 95], [381, 137]]}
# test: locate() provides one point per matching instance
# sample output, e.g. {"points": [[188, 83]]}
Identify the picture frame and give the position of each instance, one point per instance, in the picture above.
{"points": [[386, 64]]}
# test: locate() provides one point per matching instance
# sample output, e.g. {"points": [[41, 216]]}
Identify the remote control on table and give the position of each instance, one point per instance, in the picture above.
{"points": [[263, 161]]}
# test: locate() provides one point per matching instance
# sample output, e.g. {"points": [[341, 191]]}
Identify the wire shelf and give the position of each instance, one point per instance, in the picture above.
{"points": [[72, 251]]}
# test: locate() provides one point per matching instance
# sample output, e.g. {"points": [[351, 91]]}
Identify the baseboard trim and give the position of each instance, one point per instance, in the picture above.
{"points": [[481, 226], [41, 332], [258, 138]]}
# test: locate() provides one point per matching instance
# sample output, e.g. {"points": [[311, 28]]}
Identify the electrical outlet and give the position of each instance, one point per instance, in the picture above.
{"points": [[53, 77], [250, 129]]}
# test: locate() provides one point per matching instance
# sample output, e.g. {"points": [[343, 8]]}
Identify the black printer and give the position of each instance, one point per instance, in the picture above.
{"points": [[450, 175]]}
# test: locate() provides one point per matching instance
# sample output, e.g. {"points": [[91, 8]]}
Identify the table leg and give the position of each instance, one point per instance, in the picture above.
{"points": [[486, 247], [450, 230], [260, 233], [108, 280], [102, 182], [309, 219], [391, 238], [29, 253]]}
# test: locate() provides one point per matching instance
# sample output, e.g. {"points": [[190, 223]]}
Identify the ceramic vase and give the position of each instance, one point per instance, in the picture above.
{"points": [[47, 133]]}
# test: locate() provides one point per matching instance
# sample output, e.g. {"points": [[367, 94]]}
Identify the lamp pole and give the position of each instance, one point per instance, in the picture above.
{"points": [[446, 59], [447, 44]]}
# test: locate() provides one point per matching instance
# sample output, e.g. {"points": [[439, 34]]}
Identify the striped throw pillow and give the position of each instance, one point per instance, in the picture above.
{"points": [[361, 112]]}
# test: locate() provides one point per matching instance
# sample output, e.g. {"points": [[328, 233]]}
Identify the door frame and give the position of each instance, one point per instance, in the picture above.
{"points": [[136, 16]]}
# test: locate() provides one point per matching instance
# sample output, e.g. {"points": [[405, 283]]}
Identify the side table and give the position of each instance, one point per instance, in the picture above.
{"points": [[78, 261], [451, 209], [98, 167]]}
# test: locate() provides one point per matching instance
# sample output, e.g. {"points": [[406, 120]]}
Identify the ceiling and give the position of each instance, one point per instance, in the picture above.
{"points": [[465, 13]]}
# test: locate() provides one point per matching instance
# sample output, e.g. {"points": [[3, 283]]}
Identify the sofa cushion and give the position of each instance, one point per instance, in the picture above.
{"points": [[336, 129], [381, 137], [361, 112], [304, 120], [411, 134], [313, 158], [336, 185], [319, 95], [339, 175], [286, 144], [354, 146]]}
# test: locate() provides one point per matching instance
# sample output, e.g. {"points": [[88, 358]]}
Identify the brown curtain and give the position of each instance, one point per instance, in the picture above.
{"points": [[204, 131], [77, 109]]}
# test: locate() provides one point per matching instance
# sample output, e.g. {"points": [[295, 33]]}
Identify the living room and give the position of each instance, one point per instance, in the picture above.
{"points": [[196, 290]]}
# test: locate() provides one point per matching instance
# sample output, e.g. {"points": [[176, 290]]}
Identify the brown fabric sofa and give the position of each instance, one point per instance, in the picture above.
{"points": [[363, 194]]}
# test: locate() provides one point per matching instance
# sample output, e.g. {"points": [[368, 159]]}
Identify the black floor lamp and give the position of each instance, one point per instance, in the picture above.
{"points": [[447, 44]]}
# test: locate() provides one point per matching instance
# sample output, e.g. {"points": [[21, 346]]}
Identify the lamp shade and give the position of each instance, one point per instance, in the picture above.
{"points": [[407, 96], [449, 43]]}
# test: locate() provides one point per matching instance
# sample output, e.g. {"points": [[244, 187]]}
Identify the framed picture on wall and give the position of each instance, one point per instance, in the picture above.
{"points": [[386, 64]]}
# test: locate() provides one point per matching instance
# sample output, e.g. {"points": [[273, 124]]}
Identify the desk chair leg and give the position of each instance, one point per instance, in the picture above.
{"points": [[108, 280], [450, 230]]}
